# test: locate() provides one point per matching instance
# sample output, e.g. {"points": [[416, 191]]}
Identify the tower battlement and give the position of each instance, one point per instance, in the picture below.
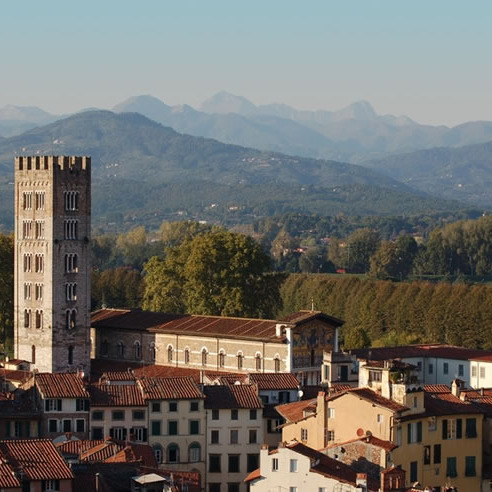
{"points": [[53, 162]]}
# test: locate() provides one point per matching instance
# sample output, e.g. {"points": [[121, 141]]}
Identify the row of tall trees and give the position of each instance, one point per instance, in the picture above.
{"points": [[380, 312]]}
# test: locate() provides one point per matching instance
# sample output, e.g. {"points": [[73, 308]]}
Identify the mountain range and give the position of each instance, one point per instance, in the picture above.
{"points": [[145, 172]]}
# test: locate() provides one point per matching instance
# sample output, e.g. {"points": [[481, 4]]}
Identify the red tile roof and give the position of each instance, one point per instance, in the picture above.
{"points": [[304, 316], [170, 389], [101, 452], [121, 376], [16, 375], [253, 475], [116, 395], [374, 441], [77, 446], [233, 396], [132, 453], [255, 329], [372, 396], [7, 474], [436, 388], [37, 459], [420, 350], [274, 381], [61, 385], [295, 411]]}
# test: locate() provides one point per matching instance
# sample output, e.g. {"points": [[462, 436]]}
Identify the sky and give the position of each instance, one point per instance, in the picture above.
{"points": [[427, 59]]}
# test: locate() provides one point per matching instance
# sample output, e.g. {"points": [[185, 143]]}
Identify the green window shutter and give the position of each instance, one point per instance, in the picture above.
{"points": [[419, 431], [471, 427], [445, 429], [470, 468], [409, 433], [459, 428]]}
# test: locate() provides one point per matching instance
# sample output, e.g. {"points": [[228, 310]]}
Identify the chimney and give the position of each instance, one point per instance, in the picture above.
{"points": [[361, 481], [456, 388]]}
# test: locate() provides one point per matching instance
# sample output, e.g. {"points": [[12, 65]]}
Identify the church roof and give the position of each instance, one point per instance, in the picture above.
{"points": [[200, 325]]}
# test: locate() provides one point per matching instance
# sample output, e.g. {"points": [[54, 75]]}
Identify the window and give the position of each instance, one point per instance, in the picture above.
{"points": [[419, 366], [27, 291], [137, 350], [118, 415], [253, 414], [470, 468], [292, 489], [80, 425], [97, 433], [234, 414], [451, 470], [331, 413], [240, 358], [274, 464], [471, 428], [40, 198], [414, 432], [194, 452], [173, 406], [187, 356], [71, 231], [169, 353], [431, 368], [214, 437], [71, 291], [233, 463], [117, 433], [27, 229], [204, 357], [39, 263], [138, 434], [157, 448], [258, 362], [71, 263], [214, 463], [461, 370], [445, 368], [253, 436], [276, 364], [152, 351], [234, 436], [173, 453], [155, 427], [27, 200], [375, 376], [214, 487], [39, 318], [304, 434], [452, 429], [330, 436], [221, 359], [67, 425], [293, 466], [71, 200], [427, 455], [399, 435], [52, 425], [380, 418], [39, 292], [104, 348], [27, 262], [27, 318], [233, 487], [138, 415], [33, 354], [194, 427], [71, 320], [473, 369], [413, 471], [253, 462], [81, 405], [39, 229], [53, 405], [193, 406], [437, 454], [215, 414], [120, 350], [50, 485], [482, 373], [98, 415], [172, 427], [156, 407]]}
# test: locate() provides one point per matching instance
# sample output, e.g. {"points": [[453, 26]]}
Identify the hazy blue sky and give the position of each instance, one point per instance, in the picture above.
{"points": [[428, 59]]}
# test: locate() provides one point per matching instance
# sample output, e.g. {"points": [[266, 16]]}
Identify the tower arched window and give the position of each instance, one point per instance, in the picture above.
{"points": [[170, 353], [240, 360], [70, 319], [276, 363], [258, 362], [194, 452], [152, 351], [204, 357], [104, 348], [137, 350], [70, 355], [27, 318], [33, 354], [187, 356], [39, 318], [120, 349], [221, 359]]}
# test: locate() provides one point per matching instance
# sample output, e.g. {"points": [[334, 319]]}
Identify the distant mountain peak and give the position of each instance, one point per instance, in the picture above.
{"points": [[224, 102], [359, 110]]}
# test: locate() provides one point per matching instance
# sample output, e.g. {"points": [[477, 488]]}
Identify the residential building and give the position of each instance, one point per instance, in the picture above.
{"points": [[20, 416], [234, 435], [480, 372], [294, 344], [52, 262]]}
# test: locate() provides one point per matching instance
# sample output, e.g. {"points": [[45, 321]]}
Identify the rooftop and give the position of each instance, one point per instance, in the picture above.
{"points": [[61, 385], [274, 381], [232, 396], [295, 411], [116, 395], [371, 396], [170, 388]]}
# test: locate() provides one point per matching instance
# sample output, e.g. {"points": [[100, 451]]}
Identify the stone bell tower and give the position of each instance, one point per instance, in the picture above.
{"points": [[52, 262]]}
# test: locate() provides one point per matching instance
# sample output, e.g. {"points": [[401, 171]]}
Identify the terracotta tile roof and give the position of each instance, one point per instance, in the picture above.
{"points": [[295, 411], [253, 475], [61, 385], [232, 396], [170, 389], [38, 459], [116, 395], [132, 453], [274, 381], [329, 467], [420, 350], [436, 388], [21, 404], [338, 388], [101, 452], [77, 446], [213, 377], [374, 441], [304, 316], [16, 375], [121, 376], [372, 396], [447, 404], [255, 329], [7, 474], [477, 393]]}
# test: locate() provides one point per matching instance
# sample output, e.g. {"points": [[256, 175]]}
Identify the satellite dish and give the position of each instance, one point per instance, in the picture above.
{"points": [[300, 393], [360, 432]]}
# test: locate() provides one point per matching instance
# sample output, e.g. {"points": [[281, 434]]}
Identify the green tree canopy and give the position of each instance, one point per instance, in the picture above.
{"points": [[215, 273], [361, 245]]}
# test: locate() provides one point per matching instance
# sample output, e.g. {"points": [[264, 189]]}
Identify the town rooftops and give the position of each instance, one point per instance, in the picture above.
{"points": [[298, 410], [232, 396], [200, 325], [170, 388], [61, 385], [438, 350], [37, 459], [7, 475], [116, 395], [274, 381]]}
